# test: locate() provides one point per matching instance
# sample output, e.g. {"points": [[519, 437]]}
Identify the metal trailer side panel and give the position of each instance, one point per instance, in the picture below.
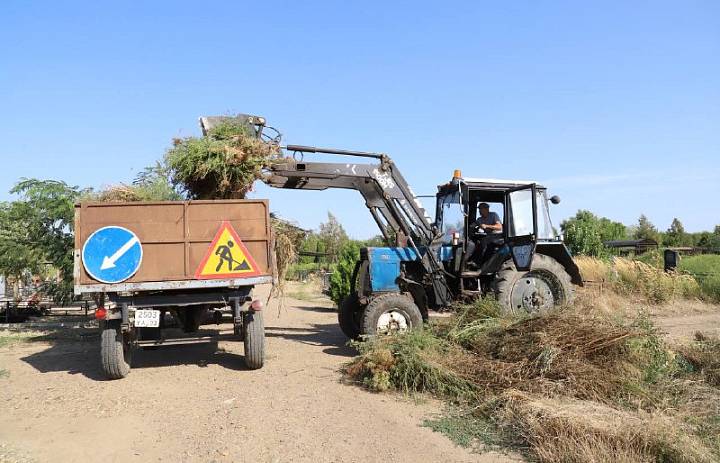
{"points": [[175, 236]]}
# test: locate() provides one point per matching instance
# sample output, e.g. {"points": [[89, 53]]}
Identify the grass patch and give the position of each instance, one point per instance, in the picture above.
{"points": [[465, 429], [706, 270], [4, 373], [309, 290], [567, 385], [11, 338]]}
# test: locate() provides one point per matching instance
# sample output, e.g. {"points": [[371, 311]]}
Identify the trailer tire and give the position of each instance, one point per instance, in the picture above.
{"points": [[254, 339], [544, 286], [391, 313], [115, 352], [348, 314]]}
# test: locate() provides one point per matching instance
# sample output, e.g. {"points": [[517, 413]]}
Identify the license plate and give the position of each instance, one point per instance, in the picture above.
{"points": [[147, 318]]}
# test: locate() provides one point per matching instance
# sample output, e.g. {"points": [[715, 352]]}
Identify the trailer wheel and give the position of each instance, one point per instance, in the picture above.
{"points": [[115, 352], [389, 314], [543, 287], [348, 314], [254, 339]]}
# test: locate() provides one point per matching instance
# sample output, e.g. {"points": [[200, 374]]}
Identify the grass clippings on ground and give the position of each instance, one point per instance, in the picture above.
{"points": [[567, 385]]}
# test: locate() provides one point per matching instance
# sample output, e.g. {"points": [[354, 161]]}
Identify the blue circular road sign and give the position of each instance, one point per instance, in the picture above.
{"points": [[112, 254]]}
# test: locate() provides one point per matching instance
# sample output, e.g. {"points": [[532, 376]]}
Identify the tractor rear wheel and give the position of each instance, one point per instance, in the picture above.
{"points": [[544, 286], [348, 316], [389, 314]]}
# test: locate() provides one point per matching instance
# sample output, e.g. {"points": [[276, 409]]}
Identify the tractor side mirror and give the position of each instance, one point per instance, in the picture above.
{"points": [[555, 199]]}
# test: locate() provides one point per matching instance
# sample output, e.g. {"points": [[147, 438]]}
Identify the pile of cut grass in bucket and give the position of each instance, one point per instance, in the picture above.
{"points": [[568, 385], [224, 164]]}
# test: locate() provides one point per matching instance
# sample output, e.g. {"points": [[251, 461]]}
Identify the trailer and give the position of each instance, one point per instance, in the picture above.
{"points": [[192, 260]]}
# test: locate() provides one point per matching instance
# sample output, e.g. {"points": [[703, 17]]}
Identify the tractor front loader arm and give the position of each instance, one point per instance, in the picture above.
{"points": [[390, 200]]}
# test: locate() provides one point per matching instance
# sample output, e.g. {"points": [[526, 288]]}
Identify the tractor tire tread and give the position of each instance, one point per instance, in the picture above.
{"points": [[346, 316]]}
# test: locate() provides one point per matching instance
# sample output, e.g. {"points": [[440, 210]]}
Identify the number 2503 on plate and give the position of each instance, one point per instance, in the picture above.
{"points": [[147, 318]]}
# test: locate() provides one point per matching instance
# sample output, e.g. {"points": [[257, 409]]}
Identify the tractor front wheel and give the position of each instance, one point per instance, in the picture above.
{"points": [[348, 316], [389, 314]]}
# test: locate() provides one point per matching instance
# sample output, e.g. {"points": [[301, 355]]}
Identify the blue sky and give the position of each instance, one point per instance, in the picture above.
{"points": [[615, 106]]}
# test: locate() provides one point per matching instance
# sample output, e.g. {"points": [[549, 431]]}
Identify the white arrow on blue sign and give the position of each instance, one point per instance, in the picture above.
{"points": [[112, 254]]}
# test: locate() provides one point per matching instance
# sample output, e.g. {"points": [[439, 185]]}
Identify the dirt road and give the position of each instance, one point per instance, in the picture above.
{"points": [[199, 404]]}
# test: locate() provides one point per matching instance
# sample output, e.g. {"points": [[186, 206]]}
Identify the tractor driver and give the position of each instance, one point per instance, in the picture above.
{"points": [[488, 223]]}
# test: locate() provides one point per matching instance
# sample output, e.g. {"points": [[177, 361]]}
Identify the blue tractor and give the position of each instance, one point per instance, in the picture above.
{"points": [[433, 264]]}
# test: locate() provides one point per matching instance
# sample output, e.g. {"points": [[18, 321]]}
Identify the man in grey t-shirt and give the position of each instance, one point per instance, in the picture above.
{"points": [[490, 223]]}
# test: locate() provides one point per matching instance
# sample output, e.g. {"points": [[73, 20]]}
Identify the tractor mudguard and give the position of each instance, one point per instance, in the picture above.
{"points": [[560, 252]]}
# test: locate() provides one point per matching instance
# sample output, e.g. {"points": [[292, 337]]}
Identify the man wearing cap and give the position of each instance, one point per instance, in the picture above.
{"points": [[491, 225]]}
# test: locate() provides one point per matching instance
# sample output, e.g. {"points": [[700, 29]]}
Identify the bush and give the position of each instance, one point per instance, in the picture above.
{"points": [[586, 233], [408, 363], [341, 283]]}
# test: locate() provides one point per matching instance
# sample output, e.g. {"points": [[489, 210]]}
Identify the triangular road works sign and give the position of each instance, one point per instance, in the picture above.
{"points": [[227, 257]]}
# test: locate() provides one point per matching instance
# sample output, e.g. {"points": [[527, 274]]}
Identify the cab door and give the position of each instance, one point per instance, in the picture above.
{"points": [[520, 228]]}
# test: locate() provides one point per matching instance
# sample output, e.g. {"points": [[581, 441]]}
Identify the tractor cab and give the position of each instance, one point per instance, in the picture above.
{"points": [[475, 255]]}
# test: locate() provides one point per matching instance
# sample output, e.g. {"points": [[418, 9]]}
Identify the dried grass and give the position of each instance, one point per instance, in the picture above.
{"points": [[556, 354], [634, 278], [572, 385], [703, 355], [117, 193], [570, 430]]}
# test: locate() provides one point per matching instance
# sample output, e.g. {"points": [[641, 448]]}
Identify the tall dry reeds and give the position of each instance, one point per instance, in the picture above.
{"points": [[632, 277]]}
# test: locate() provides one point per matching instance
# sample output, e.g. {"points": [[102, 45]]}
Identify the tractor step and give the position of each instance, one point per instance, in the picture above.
{"points": [[471, 274]]}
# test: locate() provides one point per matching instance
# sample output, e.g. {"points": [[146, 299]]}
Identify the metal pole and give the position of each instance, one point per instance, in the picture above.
{"points": [[7, 312]]}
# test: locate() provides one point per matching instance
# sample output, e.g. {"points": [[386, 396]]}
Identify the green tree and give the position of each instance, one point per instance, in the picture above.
{"points": [[377, 241], [17, 255], [341, 279], [312, 243], [38, 231], [333, 236], [709, 240], [646, 230], [676, 235], [586, 233]]}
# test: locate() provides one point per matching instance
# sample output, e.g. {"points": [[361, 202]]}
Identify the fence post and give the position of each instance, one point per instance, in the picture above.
{"points": [[7, 312]]}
